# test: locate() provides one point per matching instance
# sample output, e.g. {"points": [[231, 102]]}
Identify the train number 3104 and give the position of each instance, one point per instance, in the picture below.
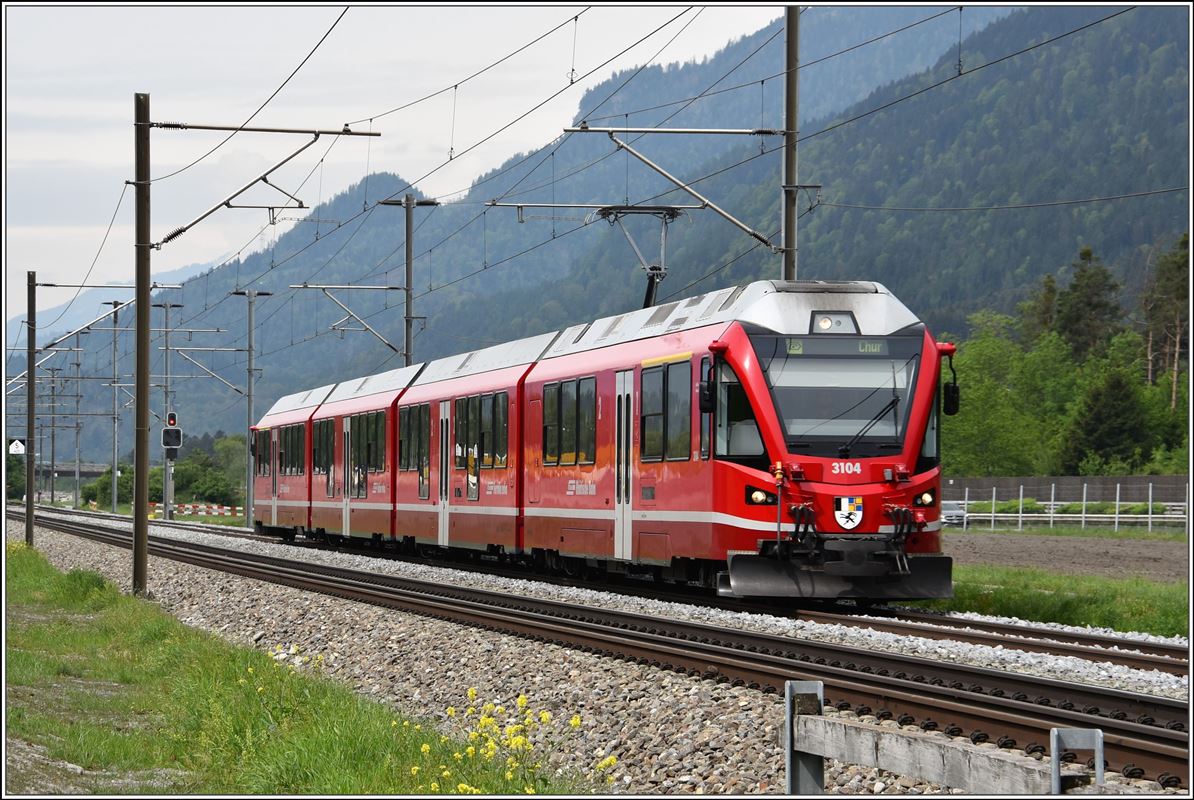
{"points": [[847, 468]]}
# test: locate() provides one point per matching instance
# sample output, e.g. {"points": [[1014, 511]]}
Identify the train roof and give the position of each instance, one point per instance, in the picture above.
{"points": [[300, 400], [782, 306], [500, 356], [393, 381]]}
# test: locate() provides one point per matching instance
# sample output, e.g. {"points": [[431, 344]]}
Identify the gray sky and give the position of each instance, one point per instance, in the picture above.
{"points": [[70, 76]]}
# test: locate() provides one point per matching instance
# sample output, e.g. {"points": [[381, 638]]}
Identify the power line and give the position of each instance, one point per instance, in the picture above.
{"points": [[482, 71], [707, 94], [263, 105], [78, 291], [1010, 207], [966, 72]]}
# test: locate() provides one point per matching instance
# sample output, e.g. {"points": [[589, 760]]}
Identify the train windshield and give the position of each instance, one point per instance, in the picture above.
{"points": [[841, 396]]}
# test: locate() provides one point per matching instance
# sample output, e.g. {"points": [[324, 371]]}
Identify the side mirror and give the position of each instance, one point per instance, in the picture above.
{"points": [[952, 399], [705, 396]]}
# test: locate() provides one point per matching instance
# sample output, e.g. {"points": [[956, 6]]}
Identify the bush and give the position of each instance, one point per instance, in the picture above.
{"points": [[1031, 506]]}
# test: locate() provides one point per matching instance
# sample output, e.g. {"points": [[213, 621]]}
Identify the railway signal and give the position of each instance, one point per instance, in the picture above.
{"points": [[171, 436]]}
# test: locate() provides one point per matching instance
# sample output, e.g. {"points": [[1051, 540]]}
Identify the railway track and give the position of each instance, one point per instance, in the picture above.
{"points": [[1143, 735], [1134, 654]]}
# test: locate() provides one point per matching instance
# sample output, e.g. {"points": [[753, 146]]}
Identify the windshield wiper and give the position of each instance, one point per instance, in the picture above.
{"points": [[844, 450]]}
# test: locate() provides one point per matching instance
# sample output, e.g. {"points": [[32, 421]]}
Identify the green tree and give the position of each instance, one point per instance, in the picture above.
{"points": [[1105, 428], [1038, 312], [1088, 311], [1166, 308], [14, 482], [230, 457]]}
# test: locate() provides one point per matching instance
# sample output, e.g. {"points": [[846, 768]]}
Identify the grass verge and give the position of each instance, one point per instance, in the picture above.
{"points": [[1125, 604], [146, 705], [1157, 534]]}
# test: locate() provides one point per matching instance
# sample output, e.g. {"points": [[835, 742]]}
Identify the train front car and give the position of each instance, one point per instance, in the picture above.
{"points": [[827, 411]]}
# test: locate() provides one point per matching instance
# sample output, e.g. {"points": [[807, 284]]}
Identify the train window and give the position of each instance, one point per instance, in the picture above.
{"points": [[474, 431], [379, 442], [568, 422], [737, 436], [404, 438], [586, 412], [706, 419], [551, 423], [461, 432], [930, 451], [500, 433], [651, 441], [262, 453], [679, 411], [423, 434], [487, 431]]}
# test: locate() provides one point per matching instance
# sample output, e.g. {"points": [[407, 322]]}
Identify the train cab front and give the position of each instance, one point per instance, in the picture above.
{"points": [[848, 423]]}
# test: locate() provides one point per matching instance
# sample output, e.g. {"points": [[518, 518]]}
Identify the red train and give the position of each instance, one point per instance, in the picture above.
{"points": [[778, 439]]}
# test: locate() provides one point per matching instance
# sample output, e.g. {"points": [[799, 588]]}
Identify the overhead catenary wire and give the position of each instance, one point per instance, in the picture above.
{"points": [[817, 133], [259, 108], [478, 73]]}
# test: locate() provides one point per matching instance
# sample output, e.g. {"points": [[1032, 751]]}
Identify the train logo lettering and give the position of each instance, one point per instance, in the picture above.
{"points": [[584, 488], [847, 511]]}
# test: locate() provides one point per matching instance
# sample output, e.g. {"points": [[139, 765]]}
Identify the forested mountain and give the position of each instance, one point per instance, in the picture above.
{"points": [[1101, 112]]}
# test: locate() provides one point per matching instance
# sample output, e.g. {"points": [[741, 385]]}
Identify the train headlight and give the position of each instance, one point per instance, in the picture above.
{"points": [[758, 497], [833, 322], [925, 499]]}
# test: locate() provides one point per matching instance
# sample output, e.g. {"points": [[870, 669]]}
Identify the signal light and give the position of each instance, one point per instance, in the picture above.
{"points": [[171, 419]]}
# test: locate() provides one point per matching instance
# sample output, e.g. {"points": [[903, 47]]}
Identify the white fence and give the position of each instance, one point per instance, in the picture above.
{"points": [[1174, 514]]}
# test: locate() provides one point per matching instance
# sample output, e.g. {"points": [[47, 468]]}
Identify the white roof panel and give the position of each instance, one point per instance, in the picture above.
{"points": [[510, 354], [300, 400], [393, 381]]}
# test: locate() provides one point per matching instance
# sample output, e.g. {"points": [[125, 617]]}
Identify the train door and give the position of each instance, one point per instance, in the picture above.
{"points": [[445, 451], [346, 482], [623, 483], [273, 493]]}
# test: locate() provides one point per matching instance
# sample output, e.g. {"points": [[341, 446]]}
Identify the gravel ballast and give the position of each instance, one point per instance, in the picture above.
{"points": [[670, 733]]}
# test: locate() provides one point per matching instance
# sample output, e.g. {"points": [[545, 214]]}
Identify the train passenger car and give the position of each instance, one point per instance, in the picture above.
{"points": [[281, 455], [460, 466], [775, 439], [354, 437]]}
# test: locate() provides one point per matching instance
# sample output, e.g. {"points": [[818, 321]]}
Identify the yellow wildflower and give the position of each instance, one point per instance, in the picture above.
{"points": [[443, 739], [458, 756], [607, 762], [470, 711], [418, 727], [473, 736], [260, 689], [575, 721], [406, 723], [393, 723], [451, 711], [521, 701], [529, 789], [446, 773], [545, 717], [425, 749], [500, 710], [414, 770], [509, 775], [434, 786], [487, 708], [463, 787], [250, 670], [472, 693], [242, 681], [471, 751]]}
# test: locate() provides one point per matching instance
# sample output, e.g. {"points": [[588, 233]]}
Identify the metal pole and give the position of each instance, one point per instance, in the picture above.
{"points": [[1020, 520], [31, 402], [791, 175], [992, 508], [1084, 505], [1150, 506], [53, 428], [1052, 502], [966, 508], [167, 464], [407, 345], [142, 247], [1117, 506], [78, 424], [115, 402]]}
